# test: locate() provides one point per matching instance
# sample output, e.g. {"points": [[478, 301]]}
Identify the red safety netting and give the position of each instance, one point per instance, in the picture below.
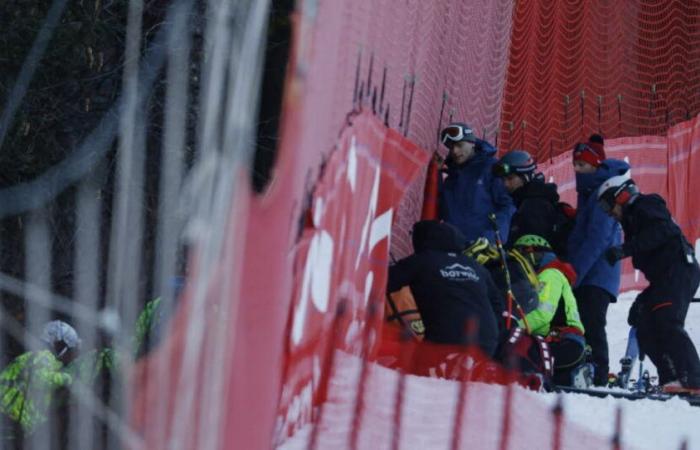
{"points": [[417, 64], [619, 68], [405, 411]]}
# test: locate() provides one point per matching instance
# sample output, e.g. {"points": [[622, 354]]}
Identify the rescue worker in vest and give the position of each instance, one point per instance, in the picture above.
{"points": [[556, 317], [537, 202], [662, 253], [469, 192], [29, 383], [449, 288]]}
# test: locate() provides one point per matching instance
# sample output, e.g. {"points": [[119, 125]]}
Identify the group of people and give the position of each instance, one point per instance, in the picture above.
{"points": [[508, 253]]}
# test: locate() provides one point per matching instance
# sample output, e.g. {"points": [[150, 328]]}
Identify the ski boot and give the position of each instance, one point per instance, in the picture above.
{"points": [[582, 376], [625, 369]]}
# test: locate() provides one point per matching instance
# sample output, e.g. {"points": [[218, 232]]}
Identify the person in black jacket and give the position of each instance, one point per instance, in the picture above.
{"points": [[659, 250], [449, 287], [537, 202]]}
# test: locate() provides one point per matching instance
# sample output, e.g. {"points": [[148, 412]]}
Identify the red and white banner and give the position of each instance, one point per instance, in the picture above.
{"points": [[343, 255]]}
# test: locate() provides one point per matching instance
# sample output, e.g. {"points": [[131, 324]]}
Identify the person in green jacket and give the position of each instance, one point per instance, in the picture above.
{"points": [[556, 317], [29, 383]]}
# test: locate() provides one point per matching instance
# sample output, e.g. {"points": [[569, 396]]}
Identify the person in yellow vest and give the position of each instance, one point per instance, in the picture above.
{"points": [[556, 317], [29, 383]]}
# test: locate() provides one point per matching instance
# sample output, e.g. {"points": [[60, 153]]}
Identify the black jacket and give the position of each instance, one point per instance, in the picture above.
{"points": [[536, 213], [448, 286], [652, 238]]}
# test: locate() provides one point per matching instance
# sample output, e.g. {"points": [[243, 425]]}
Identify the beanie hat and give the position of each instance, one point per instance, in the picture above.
{"points": [[592, 152]]}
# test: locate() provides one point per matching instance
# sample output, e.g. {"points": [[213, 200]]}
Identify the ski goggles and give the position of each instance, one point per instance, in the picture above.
{"points": [[586, 153], [581, 147], [503, 169], [457, 133]]}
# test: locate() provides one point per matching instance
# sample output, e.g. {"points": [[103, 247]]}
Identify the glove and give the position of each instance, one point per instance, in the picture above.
{"points": [[634, 314], [614, 254]]}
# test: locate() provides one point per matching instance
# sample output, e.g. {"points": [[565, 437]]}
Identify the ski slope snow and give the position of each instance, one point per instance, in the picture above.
{"points": [[428, 415], [646, 424]]}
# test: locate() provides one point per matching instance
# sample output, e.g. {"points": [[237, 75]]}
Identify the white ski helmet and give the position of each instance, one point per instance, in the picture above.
{"points": [[617, 190], [60, 336]]}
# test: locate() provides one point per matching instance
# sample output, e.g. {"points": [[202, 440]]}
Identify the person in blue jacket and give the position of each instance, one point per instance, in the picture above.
{"points": [[470, 193], [598, 282]]}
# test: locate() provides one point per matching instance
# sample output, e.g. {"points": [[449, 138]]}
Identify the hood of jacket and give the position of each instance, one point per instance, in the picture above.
{"points": [[536, 188], [435, 235], [587, 183], [563, 267]]}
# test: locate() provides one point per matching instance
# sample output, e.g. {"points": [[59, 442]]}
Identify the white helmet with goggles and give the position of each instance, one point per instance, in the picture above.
{"points": [[617, 190]]}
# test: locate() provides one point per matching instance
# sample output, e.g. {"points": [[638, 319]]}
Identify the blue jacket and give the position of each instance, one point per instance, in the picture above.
{"points": [[470, 193], [594, 232]]}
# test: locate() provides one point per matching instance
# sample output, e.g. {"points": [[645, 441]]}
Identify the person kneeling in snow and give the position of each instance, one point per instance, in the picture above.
{"points": [[662, 253], [556, 317], [449, 288]]}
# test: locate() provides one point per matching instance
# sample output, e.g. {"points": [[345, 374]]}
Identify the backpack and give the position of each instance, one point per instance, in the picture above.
{"points": [[564, 221], [523, 278]]}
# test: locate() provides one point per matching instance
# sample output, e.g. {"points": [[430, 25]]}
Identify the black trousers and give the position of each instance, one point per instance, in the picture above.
{"points": [[568, 355], [660, 331], [593, 303]]}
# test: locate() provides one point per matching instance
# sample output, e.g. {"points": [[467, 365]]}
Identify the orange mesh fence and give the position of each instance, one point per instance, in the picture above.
{"points": [[618, 68]]}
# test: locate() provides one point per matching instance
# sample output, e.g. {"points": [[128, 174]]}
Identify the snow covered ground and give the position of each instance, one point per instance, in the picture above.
{"points": [[647, 424], [428, 412]]}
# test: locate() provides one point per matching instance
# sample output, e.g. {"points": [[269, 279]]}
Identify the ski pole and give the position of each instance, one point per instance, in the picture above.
{"points": [[510, 297]]}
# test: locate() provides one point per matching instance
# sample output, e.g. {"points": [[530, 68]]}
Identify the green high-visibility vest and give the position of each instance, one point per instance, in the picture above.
{"points": [[554, 287], [27, 386]]}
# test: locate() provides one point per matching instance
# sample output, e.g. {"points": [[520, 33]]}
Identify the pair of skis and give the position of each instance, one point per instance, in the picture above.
{"points": [[629, 395], [639, 389]]}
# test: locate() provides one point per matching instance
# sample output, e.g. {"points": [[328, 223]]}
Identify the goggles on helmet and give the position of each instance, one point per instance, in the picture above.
{"points": [[503, 169], [617, 195], [457, 133]]}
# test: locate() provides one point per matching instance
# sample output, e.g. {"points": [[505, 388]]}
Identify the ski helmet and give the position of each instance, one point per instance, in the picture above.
{"points": [[60, 337], [517, 162], [617, 190], [533, 241], [457, 132]]}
